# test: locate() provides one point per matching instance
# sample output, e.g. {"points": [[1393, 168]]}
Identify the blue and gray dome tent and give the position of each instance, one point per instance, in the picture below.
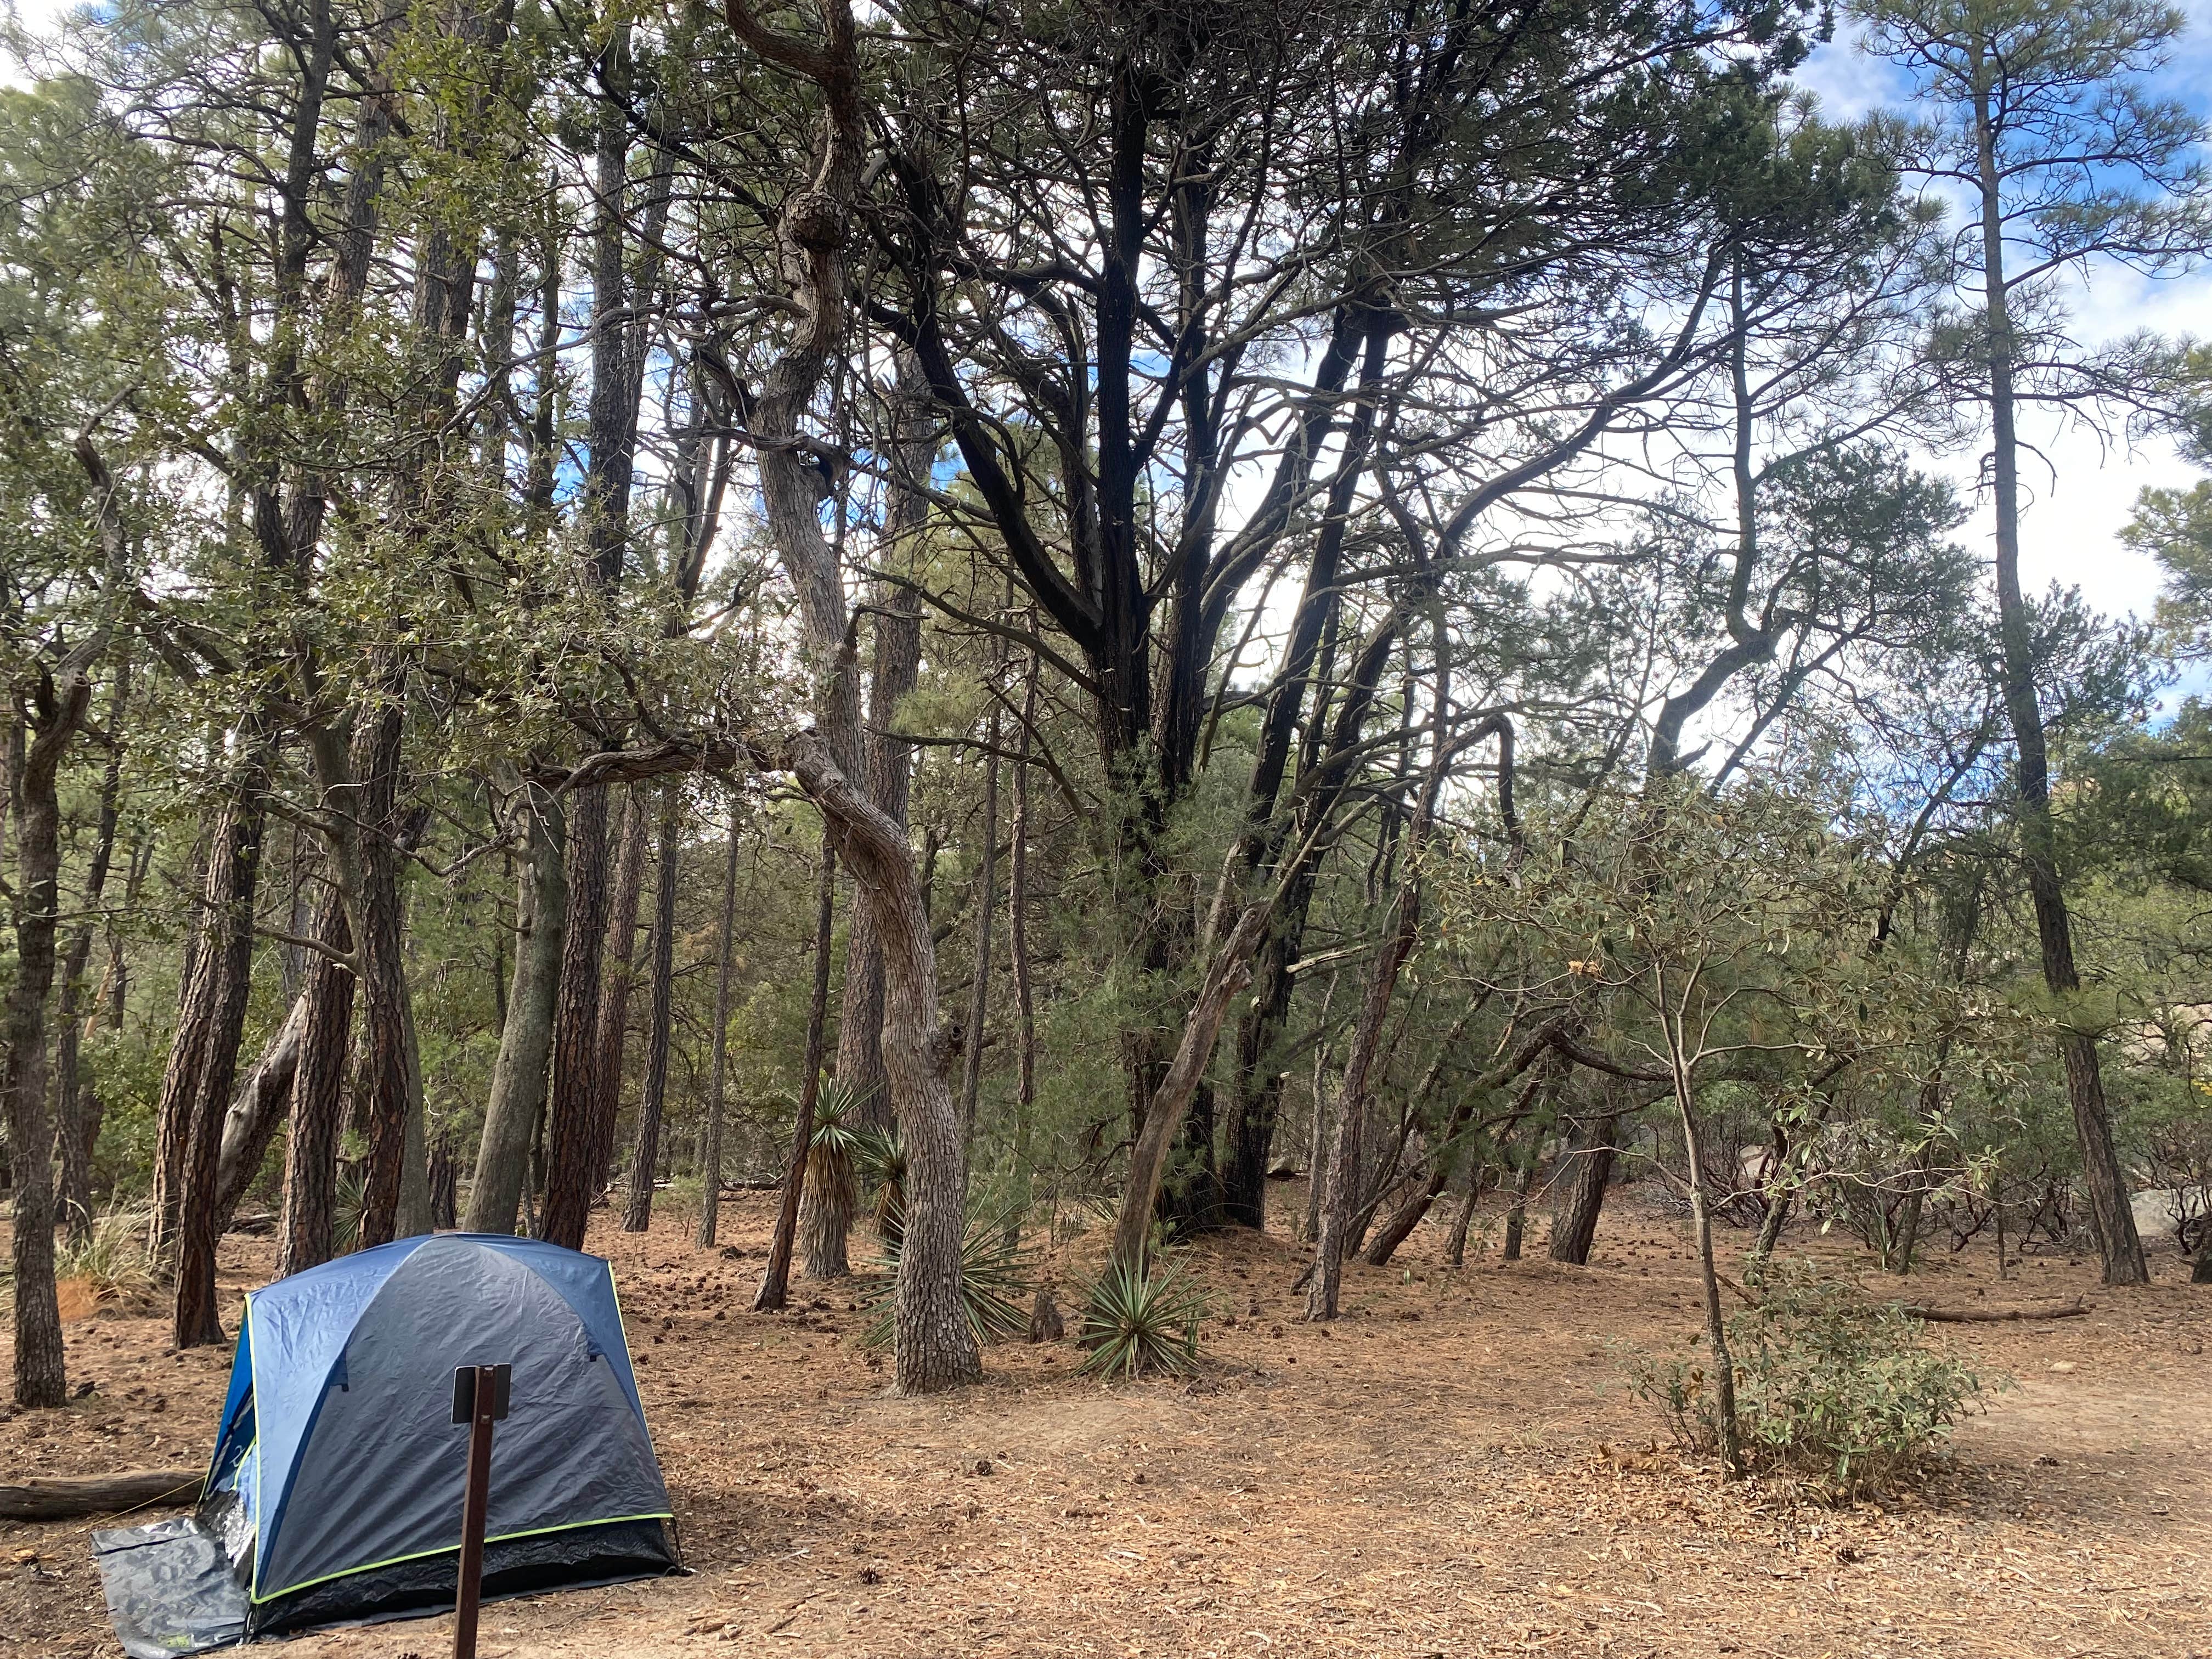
{"points": [[335, 1492]]}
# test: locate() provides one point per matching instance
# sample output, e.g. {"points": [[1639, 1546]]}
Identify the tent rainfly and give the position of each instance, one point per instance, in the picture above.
{"points": [[334, 1496]]}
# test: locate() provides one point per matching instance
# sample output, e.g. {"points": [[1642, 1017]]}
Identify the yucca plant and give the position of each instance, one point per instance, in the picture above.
{"points": [[348, 1198], [832, 1192], [997, 1281], [880, 1157], [836, 1105], [1142, 1317]]}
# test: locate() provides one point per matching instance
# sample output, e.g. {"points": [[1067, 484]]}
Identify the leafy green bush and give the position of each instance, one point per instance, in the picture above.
{"points": [[1142, 1317], [1829, 1385], [997, 1280]]}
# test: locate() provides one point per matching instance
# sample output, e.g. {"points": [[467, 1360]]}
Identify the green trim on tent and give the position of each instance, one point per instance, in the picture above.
{"points": [[629, 1358], [258, 1599], [260, 1463]]}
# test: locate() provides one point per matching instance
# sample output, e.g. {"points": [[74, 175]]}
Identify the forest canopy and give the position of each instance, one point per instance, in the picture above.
{"points": [[1029, 606]]}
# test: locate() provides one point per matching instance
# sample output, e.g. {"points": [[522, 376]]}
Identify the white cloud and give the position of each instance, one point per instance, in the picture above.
{"points": [[2081, 488]]}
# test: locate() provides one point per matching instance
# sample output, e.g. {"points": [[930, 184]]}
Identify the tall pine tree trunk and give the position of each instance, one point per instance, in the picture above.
{"points": [[620, 978], [1017, 941], [72, 1096], [644, 1156], [305, 1230], [2109, 1211], [575, 1025], [61, 708], [517, 1103], [987, 903], [394, 1102], [710, 1150], [819, 1193], [580, 1120], [212, 1004]]}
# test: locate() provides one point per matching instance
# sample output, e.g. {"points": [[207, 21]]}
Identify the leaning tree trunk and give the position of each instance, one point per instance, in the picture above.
{"points": [[204, 1057], [644, 1156], [1455, 1240], [261, 1103], [935, 1345], [517, 1101], [1574, 1225], [710, 1149], [1228, 973], [311, 1152], [1338, 1196]]}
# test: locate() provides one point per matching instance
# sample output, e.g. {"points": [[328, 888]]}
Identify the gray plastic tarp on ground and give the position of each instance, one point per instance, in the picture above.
{"points": [[170, 1587]]}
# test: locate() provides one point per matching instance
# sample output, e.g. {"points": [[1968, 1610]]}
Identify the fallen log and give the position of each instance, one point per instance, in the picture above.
{"points": [[58, 1498], [1996, 1316]]}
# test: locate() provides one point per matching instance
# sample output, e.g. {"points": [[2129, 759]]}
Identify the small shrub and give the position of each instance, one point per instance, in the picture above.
{"points": [[997, 1281], [1831, 1386], [1140, 1318], [113, 1257], [680, 1200]]}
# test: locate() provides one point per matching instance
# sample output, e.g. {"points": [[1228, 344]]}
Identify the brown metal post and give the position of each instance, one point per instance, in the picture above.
{"points": [[475, 1498]]}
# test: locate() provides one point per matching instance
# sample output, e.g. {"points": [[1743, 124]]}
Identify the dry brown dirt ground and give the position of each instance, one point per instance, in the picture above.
{"points": [[1453, 1468]]}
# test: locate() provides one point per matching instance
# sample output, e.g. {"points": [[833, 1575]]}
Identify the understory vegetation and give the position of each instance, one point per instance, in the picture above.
{"points": [[1838, 1389], [1009, 620]]}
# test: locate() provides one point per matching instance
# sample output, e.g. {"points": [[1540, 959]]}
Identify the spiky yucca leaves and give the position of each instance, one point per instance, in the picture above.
{"points": [[880, 1157], [836, 1105], [1142, 1317], [348, 1200], [997, 1281], [831, 1192]]}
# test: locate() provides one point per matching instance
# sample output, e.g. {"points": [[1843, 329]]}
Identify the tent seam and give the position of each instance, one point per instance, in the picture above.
{"points": [[259, 1600]]}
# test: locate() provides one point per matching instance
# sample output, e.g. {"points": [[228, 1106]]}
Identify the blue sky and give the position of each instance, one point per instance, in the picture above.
{"points": [[2083, 488]]}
